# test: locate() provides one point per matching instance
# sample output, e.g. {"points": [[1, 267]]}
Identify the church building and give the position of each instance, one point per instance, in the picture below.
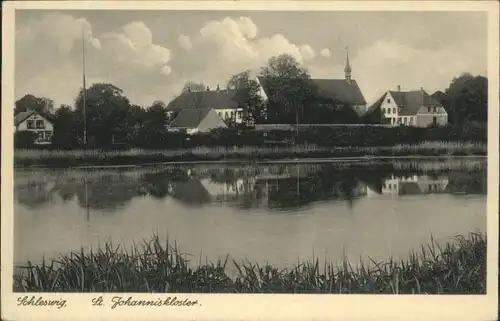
{"points": [[344, 91]]}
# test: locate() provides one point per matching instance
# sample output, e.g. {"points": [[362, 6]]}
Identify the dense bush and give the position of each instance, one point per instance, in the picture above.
{"points": [[341, 136], [24, 139]]}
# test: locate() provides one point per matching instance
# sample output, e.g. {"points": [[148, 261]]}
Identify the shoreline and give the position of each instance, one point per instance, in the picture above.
{"points": [[245, 154], [456, 267], [359, 159]]}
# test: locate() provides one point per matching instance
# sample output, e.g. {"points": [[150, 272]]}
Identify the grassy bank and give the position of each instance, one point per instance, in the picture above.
{"points": [[457, 267], [69, 158]]}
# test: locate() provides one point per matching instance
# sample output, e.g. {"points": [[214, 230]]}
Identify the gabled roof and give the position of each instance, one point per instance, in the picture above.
{"points": [[190, 118], [339, 89], [20, 117], [409, 188], [410, 102], [215, 99], [376, 104], [191, 192]]}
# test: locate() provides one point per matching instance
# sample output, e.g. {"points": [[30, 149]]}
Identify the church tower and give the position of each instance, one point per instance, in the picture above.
{"points": [[347, 69]]}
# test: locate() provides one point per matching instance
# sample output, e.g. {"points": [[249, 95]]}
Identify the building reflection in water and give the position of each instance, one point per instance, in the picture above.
{"points": [[411, 185], [274, 187]]}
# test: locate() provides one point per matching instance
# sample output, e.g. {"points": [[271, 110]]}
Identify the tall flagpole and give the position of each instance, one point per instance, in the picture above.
{"points": [[84, 95], [84, 98]]}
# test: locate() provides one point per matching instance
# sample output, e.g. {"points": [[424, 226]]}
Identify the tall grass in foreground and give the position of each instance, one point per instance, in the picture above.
{"points": [[456, 267]]}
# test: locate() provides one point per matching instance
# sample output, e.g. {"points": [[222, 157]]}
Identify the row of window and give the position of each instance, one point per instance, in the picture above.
{"points": [[431, 187], [38, 124], [43, 136], [232, 115], [388, 110], [402, 120]]}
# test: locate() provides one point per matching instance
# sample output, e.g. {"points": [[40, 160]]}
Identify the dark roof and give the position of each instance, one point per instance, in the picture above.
{"points": [[410, 102], [20, 117], [191, 192], [339, 89], [375, 105], [409, 188], [190, 118], [215, 99]]}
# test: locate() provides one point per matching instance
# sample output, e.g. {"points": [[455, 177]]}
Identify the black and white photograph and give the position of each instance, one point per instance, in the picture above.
{"points": [[164, 153]]}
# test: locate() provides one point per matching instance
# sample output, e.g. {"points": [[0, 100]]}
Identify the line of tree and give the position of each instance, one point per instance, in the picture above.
{"points": [[113, 120]]}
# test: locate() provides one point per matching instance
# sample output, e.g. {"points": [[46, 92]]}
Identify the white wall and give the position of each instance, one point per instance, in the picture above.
{"points": [[425, 117], [229, 113], [211, 121], [389, 108], [44, 133]]}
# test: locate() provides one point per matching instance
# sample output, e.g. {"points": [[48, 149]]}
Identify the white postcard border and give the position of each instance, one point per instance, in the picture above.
{"points": [[247, 306]]}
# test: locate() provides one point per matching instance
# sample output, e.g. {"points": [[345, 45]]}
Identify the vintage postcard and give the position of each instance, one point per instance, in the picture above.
{"points": [[250, 160]]}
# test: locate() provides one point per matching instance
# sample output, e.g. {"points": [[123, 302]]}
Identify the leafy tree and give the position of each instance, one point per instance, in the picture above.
{"points": [[466, 99], [107, 111], [65, 129], [247, 96], [194, 86], [290, 88], [28, 102], [156, 115]]}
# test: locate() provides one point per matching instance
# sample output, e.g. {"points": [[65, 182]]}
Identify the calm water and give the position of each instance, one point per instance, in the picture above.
{"points": [[267, 213]]}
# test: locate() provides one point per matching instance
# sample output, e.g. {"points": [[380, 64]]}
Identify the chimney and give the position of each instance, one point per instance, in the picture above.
{"points": [[399, 87], [208, 88]]}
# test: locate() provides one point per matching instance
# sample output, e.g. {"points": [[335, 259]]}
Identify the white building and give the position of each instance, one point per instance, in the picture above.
{"points": [[410, 108], [222, 101], [36, 123]]}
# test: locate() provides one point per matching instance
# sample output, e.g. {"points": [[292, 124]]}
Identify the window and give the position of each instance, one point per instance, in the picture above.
{"points": [[429, 109], [39, 137], [48, 136], [404, 120], [240, 114], [434, 109], [232, 114], [220, 114], [226, 115], [394, 110], [30, 124], [40, 124], [410, 120]]}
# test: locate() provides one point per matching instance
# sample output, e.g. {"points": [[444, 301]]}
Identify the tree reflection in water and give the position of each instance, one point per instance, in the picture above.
{"points": [[275, 187]]}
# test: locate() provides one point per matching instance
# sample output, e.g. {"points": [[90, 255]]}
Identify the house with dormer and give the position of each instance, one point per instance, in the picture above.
{"points": [[41, 125], [409, 108]]}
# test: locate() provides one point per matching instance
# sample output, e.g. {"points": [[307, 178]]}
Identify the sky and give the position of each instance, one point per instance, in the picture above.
{"points": [[152, 54]]}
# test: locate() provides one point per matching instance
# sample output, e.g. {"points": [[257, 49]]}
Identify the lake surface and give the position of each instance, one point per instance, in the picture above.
{"points": [[264, 213]]}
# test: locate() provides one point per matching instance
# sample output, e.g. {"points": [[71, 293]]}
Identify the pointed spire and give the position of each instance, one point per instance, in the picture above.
{"points": [[347, 69]]}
